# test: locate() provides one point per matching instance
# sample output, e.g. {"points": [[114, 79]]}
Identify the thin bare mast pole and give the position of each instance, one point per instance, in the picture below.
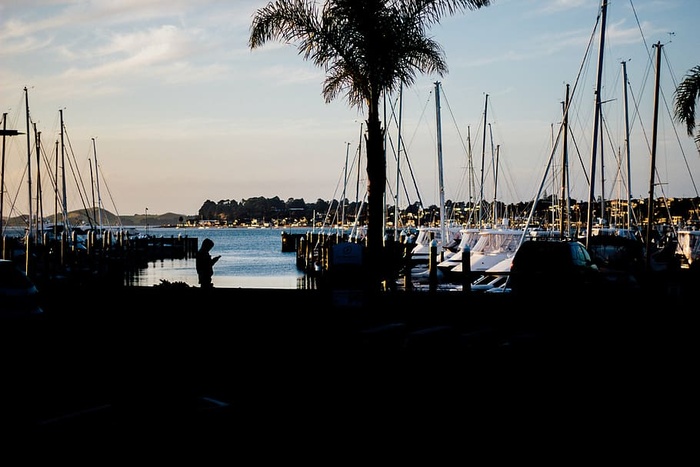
{"points": [[564, 201], [29, 166], [2, 176], [596, 122], [397, 217], [627, 146], [483, 155], [39, 200], [63, 176], [97, 182], [55, 192], [650, 212], [443, 220]]}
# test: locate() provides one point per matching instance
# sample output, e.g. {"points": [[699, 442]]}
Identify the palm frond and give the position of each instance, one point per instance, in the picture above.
{"points": [[686, 96]]}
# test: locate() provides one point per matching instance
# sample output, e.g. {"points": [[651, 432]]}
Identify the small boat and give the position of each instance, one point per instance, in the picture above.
{"points": [[688, 247], [619, 255], [469, 238], [490, 280], [494, 247], [420, 251]]}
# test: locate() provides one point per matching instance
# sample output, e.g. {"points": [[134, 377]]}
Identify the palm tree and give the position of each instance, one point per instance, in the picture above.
{"points": [[367, 48], [686, 97]]}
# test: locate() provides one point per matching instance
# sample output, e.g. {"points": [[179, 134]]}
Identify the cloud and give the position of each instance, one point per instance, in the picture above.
{"points": [[289, 75]]}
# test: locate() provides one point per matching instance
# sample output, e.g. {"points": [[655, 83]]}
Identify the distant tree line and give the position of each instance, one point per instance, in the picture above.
{"points": [[679, 211], [261, 209]]}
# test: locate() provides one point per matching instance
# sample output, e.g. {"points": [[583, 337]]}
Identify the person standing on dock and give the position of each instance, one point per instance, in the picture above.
{"points": [[205, 264]]}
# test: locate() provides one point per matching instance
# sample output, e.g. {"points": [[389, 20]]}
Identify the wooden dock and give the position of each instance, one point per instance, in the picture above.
{"points": [[111, 257]]}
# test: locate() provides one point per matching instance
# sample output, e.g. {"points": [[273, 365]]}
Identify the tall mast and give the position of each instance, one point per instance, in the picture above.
{"points": [[564, 197], [92, 188], [494, 211], [357, 181], [627, 145], [4, 132], [39, 201], [63, 177], [650, 212], [596, 122], [495, 186], [470, 175], [398, 169], [443, 220], [97, 182], [345, 184], [55, 192], [29, 165], [2, 174], [483, 155]]}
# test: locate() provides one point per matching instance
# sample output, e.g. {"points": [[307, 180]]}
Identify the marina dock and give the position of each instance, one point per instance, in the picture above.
{"points": [[91, 258]]}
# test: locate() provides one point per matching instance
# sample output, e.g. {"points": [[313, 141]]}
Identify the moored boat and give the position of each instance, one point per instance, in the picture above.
{"points": [[688, 247], [494, 246]]}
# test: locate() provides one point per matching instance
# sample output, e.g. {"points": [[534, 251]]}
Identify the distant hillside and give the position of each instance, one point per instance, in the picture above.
{"points": [[108, 219], [169, 218]]}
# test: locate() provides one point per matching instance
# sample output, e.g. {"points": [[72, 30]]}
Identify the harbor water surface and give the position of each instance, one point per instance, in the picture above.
{"points": [[250, 258]]}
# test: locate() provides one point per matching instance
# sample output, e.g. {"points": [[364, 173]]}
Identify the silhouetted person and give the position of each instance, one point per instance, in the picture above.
{"points": [[205, 264]]}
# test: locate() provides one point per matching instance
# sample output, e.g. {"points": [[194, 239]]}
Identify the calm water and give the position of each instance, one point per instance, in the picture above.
{"points": [[250, 258]]}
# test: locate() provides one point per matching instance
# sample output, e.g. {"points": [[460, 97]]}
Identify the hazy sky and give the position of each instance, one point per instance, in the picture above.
{"points": [[182, 111]]}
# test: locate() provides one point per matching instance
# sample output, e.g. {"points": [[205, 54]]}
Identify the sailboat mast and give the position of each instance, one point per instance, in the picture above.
{"points": [[39, 202], [494, 211], [345, 184], [97, 182], [63, 176], [470, 175], [398, 169], [29, 165], [55, 192], [627, 145], [495, 187], [483, 155], [92, 190], [443, 220], [564, 197], [650, 212], [602, 174], [596, 122], [358, 209], [2, 176]]}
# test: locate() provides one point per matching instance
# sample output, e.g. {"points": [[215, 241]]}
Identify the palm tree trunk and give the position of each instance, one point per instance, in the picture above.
{"points": [[376, 185]]}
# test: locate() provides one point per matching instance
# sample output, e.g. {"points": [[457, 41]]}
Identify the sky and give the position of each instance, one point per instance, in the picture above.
{"points": [[166, 99]]}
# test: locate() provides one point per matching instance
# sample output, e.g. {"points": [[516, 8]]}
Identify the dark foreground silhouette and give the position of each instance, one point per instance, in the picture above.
{"points": [[283, 366]]}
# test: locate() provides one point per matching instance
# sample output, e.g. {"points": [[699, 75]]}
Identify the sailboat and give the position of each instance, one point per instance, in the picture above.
{"points": [[57, 247], [688, 248], [617, 248], [493, 247], [442, 240]]}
